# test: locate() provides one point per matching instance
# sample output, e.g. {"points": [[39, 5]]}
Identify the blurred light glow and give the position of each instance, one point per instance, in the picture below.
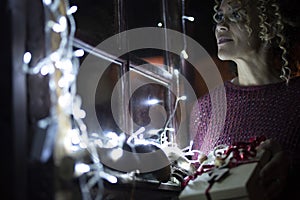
{"points": [[55, 56], [65, 100], [79, 53], [182, 98], [47, 69], [159, 24], [75, 138], [65, 65], [27, 57], [81, 168], [114, 139], [190, 18], [116, 154], [83, 127], [72, 10], [170, 129], [154, 131], [63, 21], [61, 26], [82, 145], [184, 54], [176, 72], [108, 177], [79, 113], [47, 2], [65, 80], [152, 101], [62, 82]]}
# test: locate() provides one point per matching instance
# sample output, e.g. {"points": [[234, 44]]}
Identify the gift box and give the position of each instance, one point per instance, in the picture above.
{"points": [[239, 183]]}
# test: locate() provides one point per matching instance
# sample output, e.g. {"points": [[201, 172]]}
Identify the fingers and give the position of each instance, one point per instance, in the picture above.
{"points": [[274, 161], [270, 145], [276, 167], [274, 189], [273, 175]]}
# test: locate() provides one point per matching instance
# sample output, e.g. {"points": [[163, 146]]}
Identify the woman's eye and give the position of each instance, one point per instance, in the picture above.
{"points": [[236, 16], [218, 17]]}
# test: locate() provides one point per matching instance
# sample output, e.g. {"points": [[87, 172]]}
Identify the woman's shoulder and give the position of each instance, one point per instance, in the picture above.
{"points": [[230, 90], [293, 83]]}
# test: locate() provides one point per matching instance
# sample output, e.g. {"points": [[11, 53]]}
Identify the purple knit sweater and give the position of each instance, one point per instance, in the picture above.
{"points": [[271, 110]]}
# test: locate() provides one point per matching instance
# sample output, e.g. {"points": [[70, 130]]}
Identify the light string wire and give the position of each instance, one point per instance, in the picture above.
{"points": [[61, 66]]}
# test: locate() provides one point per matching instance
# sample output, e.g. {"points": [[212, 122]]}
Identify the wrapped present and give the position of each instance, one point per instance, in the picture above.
{"points": [[234, 179]]}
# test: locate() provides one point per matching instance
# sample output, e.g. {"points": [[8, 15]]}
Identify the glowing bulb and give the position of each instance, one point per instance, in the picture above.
{"points": [[112, 135], [82, 145], [159, 24], [71, 140], [64, 65], [55, 56], [62, 82], [108, 177], [81, 168], [182, 98], [116, 154], [47, 69], [191, 19], [152, 101], [72, 10], [63, 21], [65, 80], [79, 114], [75, 139], [176, 72], [79, 53], [47, 2], [27, 57], [83, 127], [184, 54], [57, 28], [114, 139], [64, 100], [61, 26], [188, 18]]}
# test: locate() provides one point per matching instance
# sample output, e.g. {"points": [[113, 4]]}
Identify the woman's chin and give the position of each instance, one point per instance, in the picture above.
{"points": [[224, 56]]}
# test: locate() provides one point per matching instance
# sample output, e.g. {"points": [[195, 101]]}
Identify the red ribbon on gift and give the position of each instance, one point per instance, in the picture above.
{"points": [[242, 152], [202, 169]]}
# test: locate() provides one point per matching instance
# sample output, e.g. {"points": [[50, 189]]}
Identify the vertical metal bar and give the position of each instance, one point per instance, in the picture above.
{"points": [[18, 10], [125, 67], [166, 25], [171, 18]]}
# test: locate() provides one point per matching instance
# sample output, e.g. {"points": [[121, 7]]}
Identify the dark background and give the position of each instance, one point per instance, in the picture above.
{"points": [[24, 102]]}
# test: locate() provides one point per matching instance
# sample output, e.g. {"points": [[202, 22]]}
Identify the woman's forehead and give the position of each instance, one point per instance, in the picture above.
{"points": [[231, 3]]}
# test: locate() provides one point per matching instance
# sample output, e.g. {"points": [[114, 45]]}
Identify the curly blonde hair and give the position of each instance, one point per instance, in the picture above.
{"points": [[275, 29]]}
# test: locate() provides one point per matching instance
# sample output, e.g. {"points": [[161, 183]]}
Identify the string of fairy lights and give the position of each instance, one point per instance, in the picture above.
{"points": [[61, 65], [65, 121]]}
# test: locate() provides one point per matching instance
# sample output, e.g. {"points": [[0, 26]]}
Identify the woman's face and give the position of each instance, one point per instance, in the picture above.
{"points": [[233, 39]]}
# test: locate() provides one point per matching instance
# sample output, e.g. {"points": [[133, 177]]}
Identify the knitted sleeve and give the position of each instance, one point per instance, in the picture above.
{"points": [[199, 120]]}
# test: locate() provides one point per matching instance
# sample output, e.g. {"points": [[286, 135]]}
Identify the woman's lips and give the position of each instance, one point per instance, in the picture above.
{"points": [[224, 40]]}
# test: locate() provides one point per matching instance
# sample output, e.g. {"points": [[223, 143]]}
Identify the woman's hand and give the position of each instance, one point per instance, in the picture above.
{"points": [[274, 174]]}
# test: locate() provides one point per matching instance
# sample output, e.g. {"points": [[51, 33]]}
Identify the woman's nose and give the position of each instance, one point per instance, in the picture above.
{"points": [[221, 27]]}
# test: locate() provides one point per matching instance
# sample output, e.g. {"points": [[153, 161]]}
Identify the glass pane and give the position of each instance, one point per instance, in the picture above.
{"points": [[95, 20]]}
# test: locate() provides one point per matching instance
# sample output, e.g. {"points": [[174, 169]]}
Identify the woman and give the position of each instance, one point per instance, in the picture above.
{"points": [[263, 100]]}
